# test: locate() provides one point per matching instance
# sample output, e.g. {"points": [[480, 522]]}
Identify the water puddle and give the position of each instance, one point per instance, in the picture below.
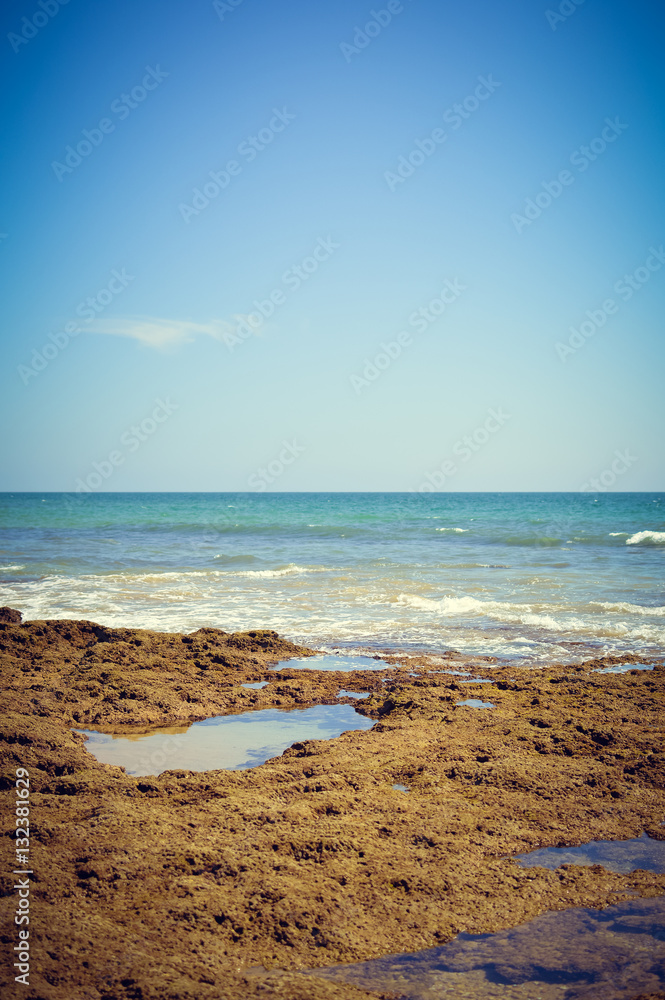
{"points": [[232, 742], [255, 685], [478, 680], [475, 703], [352, 694], [456, 673], [622, 668], [621, 856], [578, 954], [330, 661], [400, 788]]}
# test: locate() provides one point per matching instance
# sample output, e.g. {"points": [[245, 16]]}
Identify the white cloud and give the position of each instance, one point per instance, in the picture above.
{"points": [[164, 333]]}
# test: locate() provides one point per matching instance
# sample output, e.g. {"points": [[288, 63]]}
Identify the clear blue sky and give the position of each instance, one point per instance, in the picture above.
{"points": [[333, 114]]}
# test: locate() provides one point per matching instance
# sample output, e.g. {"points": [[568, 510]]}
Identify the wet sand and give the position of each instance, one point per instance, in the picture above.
{"points": [[230, 883]]}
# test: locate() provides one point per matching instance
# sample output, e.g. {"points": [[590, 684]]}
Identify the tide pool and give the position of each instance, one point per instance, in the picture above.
{"points": [[231, 742]]}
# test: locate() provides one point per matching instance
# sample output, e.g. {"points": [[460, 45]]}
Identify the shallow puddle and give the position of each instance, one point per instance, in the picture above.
{"points": [[400, 788], [352, 694], [455, 673], [255, 685], [475, 703], [622, 668], [478, 680], [577, 954], [231, 742], [332, 661], [616, 855]]}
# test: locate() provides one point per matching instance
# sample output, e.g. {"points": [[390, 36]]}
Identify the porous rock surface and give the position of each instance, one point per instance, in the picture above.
{"points": [[228, 884]]}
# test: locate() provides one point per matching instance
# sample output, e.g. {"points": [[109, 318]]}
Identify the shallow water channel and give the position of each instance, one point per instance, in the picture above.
{"points": [[474, 703], [576, 954], [621, 856], [332, 661], [231, 742], [623, 668]]}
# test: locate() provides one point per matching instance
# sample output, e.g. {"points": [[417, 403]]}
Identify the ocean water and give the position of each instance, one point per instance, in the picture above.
{"points": [[524, 577]]}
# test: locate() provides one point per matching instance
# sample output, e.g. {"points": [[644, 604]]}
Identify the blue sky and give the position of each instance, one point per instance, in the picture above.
{"points": [[484, 258]]}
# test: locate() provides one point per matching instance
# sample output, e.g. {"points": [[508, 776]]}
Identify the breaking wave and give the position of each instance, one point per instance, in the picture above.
{"points": [[647, 538], [290, 570]]}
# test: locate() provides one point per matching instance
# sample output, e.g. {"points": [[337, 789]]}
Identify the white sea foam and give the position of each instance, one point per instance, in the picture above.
{"points": [[557, 618], [632, 609], [290, 570], [446, 605], [498, 610], [650, 537], [529, 618], [11, 569], [459, 531], [131, 577], [615, 534]]}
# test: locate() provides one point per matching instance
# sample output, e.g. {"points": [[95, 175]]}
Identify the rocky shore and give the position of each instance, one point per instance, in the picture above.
{"points": [[231, 883]]}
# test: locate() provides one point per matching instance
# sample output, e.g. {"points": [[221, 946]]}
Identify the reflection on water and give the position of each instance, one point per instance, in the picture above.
{"points": [[577, 954], [456, 673], [623, 668], [352, 694], [475, 703], [616, 855], [255, 685], [231, 742], [332, 661]]}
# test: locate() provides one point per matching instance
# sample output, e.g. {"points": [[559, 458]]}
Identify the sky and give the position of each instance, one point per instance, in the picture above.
{"points": [[332, 246]]}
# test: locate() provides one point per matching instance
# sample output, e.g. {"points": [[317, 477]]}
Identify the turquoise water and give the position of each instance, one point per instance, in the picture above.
{"points": [[524, 577]]}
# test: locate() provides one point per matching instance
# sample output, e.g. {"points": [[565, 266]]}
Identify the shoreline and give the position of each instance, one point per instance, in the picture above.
{"points": [[310, 859], [579, 652]]}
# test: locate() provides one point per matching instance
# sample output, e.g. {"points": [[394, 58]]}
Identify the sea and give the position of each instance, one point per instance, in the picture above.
{"points": [[528, 578]]}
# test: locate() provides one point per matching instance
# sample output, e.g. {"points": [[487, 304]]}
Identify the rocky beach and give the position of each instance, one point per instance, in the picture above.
{"points": [[235, 883], [332, 501]]}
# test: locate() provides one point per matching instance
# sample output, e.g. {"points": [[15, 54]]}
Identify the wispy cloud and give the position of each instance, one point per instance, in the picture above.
{"points": [[165, 333]]}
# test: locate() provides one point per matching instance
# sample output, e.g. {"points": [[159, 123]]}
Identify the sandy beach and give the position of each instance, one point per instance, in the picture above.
{"points": [[233, 882]]}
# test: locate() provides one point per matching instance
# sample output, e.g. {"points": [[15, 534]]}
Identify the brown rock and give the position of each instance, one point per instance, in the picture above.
{"points": [[10, 615], [177, 886]]}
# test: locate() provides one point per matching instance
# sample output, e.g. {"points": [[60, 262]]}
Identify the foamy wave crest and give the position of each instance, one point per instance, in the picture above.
{"points": [[525, 617], [459, 531], [446, 605], [633, 609], [132, 576], [10, 569], [615, 534], [518, 614], [649, 537], [290, 570]]}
